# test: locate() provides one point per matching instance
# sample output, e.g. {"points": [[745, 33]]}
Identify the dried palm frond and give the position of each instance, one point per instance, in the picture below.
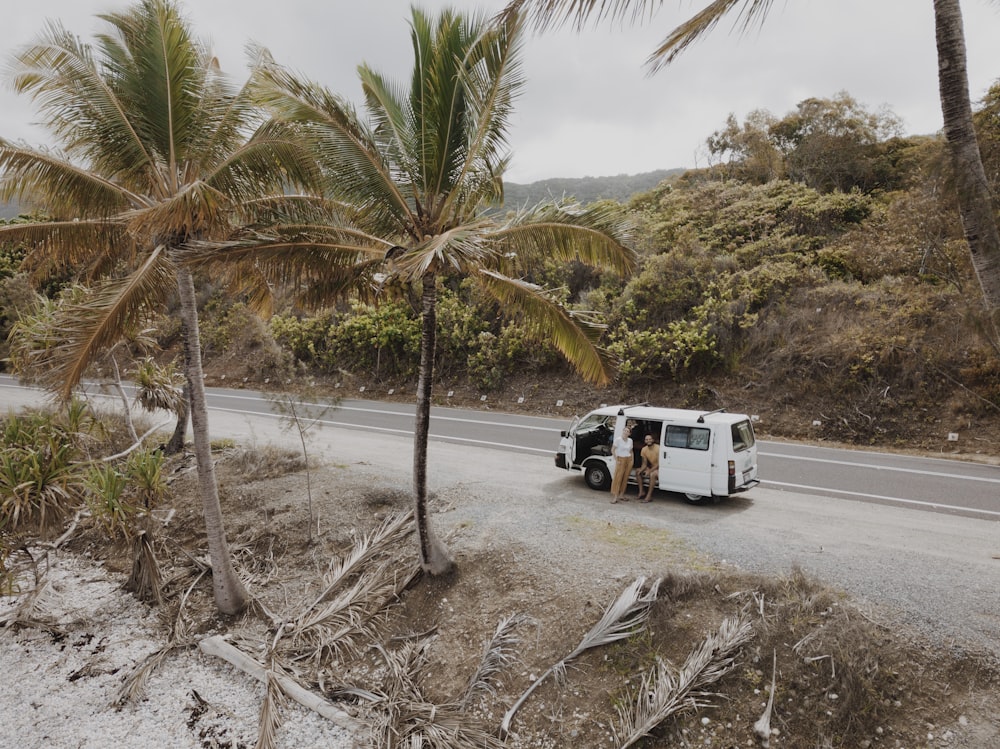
{"points": [[351, 617], [270, 709], [31, 611], [134, 686], [498, 654], [405, 718], [145, 581], [665, 692], [383, 539], [625, 617]]}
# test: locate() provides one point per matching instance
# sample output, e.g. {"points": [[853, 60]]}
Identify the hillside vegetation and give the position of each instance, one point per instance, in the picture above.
{"points": [[815, 276]]}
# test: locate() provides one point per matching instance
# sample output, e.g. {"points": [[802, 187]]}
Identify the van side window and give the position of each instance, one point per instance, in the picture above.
{"points": [[690, 438], [743, 437]]}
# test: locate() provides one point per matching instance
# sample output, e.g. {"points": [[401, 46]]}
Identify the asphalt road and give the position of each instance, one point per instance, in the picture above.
{"points": [[934, 484]]}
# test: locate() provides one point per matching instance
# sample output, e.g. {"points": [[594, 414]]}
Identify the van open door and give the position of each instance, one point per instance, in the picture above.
{"points": [[686, 460]]}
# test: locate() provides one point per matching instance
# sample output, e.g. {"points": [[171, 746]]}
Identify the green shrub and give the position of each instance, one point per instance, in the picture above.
{"points": [[39, 482], [498, 357], [108, 500], [682, 348], [144, 470]]}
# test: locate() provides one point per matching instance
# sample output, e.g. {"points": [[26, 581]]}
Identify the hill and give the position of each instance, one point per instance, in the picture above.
{"points": [[620, 187]]}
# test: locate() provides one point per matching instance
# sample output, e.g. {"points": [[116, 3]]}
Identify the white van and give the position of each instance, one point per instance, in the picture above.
{"points": [[702, 454]]}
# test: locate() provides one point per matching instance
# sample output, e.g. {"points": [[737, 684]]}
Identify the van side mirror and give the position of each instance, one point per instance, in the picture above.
{"points": [[562, 433]]}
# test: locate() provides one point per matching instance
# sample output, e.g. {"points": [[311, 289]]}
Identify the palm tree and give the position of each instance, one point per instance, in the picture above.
{"points": [[158, 150], [406, 198], [974, 195]]}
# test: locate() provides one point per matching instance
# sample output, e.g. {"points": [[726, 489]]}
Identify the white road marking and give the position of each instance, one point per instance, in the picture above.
{"points": [[900, 500]]}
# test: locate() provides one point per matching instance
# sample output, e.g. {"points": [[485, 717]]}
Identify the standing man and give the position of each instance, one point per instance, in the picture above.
{"points": [[650, 466]]}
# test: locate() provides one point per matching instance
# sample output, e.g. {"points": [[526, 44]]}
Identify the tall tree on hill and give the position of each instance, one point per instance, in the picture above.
{"points": [[158, 150], [975, 198], [405, 203]]}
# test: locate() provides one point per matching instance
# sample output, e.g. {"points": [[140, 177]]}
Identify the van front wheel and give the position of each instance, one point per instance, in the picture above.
{"points": [[696, 499], [598, 477]]}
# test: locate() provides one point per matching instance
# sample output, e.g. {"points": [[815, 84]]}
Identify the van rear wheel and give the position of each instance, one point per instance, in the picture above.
{"points": [[697, 499], [598, 477]]}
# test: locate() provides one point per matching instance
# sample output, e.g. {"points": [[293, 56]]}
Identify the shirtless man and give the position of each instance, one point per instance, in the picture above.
{"points": [[650, 465]]}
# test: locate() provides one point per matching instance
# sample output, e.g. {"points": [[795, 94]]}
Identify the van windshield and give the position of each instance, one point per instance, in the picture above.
{"points": [[592, 422], [743, 438]]}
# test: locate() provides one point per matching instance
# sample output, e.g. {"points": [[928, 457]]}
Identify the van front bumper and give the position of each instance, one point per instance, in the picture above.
{"points": [[560, 460]]}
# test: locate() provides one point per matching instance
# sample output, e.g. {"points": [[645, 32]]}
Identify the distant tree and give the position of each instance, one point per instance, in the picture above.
{"points": [[974, 195], [748, 150], [835, 144]]}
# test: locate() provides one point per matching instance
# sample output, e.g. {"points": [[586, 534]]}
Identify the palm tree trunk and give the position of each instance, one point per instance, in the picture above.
{"points": [[176, 443], [975, 200], [230, 594], [434, 557]]}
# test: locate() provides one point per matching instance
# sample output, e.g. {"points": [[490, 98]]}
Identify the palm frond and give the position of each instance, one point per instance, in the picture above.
{"points": [[403, 716], [573, 334], [89, 248], [382, 540], [549, 14], [498, 655], [664, 692], [598, 235], [77, 104], [347, 150], [83, 330], [136, 683], [270, 708], [623, 618], [145, 580], [753, 12], [353, 616], [491, 80], [63, 189], [31, 610]]}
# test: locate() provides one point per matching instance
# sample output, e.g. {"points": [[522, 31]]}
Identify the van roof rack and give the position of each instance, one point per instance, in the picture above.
{"points": [[621, 410], [701, 419]]}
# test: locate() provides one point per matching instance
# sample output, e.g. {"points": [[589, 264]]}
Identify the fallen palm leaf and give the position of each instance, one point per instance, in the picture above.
{"points": [[270, 709], [405, 718], [352, 616], [664, 692], [498, 654], [383, 539], [625, 617], [134, 686], [31, 611]]}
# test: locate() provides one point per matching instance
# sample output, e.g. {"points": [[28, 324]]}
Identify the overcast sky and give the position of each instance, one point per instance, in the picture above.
{"points": [[588, 109]]}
